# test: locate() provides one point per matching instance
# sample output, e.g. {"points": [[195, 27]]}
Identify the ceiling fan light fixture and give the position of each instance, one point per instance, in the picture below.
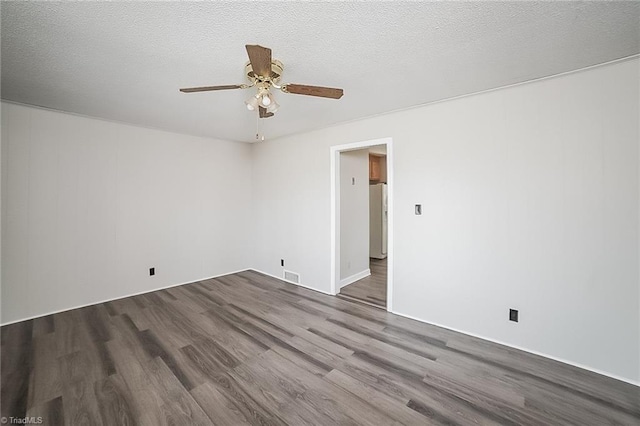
{"points": [[252, 103], [265, 100], [273, 106]]}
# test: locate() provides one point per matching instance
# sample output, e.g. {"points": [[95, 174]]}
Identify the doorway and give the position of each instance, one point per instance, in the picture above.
{"points": [[350, 277]]}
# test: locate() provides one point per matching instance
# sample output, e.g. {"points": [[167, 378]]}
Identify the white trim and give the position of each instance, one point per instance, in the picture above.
{"points": [[335, 208], [340, 123], [564, 361], [466, 95], [122, 123], [353, 278], [390, 221], [335, 225], [520, 348], [362, 144], [289, 282], [123, 297]]}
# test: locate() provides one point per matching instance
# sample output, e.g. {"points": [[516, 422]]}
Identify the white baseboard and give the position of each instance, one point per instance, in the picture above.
{"points": [[290, 282], [120, 297], [564, 361], [353, 278]]}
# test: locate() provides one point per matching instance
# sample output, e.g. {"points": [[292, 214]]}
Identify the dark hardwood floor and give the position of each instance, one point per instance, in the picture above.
{"points": [[371, 289], [249, 349]]}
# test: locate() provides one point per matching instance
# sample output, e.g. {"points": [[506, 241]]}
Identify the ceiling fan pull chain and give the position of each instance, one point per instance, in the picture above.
{"points": [[258, 127]]}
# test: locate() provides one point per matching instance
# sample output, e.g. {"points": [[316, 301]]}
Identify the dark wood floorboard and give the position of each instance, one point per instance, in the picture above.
{"points": [[372, 289], [248, 349]]}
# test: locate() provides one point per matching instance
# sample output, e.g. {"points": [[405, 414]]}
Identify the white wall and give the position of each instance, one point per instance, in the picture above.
{"points": [[530, 201], [354, 214], [88, 206], [530, 197]]}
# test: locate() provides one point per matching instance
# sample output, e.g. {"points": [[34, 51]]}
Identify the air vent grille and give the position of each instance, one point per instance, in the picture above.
{"points": [[292, 276]]}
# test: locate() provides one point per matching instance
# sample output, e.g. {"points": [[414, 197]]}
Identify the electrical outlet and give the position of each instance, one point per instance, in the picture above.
{"points": [[152, 271], [281, 262], [513, 315], [418, 209]]}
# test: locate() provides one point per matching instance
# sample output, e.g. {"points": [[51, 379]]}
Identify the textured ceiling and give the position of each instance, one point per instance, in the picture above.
{"points": [[126, 61]]}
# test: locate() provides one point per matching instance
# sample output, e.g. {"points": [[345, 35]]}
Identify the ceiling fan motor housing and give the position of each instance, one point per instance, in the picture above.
{"points": [[276, 72]]}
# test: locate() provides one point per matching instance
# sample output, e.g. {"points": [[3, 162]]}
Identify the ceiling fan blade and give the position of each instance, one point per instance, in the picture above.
{"points": [[260, 58], [209, 88], [264, 113], [323, 92]]}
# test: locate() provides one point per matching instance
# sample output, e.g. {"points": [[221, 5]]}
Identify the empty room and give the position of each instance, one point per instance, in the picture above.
{"points": [[320, 213]]}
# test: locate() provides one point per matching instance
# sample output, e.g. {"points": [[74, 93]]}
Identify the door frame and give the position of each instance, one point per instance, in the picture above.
{"points": [[335, 211]]}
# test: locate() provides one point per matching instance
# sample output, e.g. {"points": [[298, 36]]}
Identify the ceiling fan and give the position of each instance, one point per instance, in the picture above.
{"points": [[264, 73]]}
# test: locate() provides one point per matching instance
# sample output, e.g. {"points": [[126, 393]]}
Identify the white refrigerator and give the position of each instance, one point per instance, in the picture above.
{"points": [[378, 220]]}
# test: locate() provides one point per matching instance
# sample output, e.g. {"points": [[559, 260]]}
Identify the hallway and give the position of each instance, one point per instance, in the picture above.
{"points": [[372, 289]]}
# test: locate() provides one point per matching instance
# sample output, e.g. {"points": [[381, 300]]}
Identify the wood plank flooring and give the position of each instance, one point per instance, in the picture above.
{"points": [[250, 349], [372, 289]]}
